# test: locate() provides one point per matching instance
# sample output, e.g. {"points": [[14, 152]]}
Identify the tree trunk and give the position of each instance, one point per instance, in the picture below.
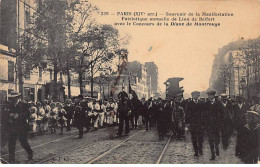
{"points": [[69, 91], [92, 80], [103, 92], [80, 83], [55, 85]]}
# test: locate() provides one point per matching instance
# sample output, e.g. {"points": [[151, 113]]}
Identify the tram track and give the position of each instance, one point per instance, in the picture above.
{"points": [[164, 149], [58, 156], [114, 147]]}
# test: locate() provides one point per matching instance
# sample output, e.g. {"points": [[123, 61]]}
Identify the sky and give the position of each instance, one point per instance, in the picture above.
{"points": [[186, 52]]}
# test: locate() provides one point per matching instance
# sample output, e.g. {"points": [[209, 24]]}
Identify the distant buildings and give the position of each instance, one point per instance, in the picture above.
{"points": [[236, 69], [137, 75], [152, 71], [15, 17]]}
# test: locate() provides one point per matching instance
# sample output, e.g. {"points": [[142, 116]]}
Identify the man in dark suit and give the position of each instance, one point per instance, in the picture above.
{"points": [[211, 117], [226, 120], [69, 113], [250, 147], [193, 120], [124, 106], [239, 121], [18, 125], [79, 118], [143, 110], [149, 114]]}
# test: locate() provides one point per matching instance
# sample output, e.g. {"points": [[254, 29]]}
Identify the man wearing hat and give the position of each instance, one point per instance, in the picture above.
{"points": [[256, 104], [250, 149], [239, 121], [124, 107], [193, 120], [212, 114], [148, 115], [18, 125], [69, 113], [110, 111], [226, 121]]}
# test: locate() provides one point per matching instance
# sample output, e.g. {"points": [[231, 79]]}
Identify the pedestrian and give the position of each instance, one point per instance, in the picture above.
{"points": [[40, 118], [123, 112], [178, 116], [110, 109], [193, 119], [255, 104], [61, 117], [135, 108], [142, 109], [106, 114], [148, 113], [79, 119], [116, 115], [32, 119], [96, 110], [47, 109], [69, 113], [18, 125], [212, 114], [239, 121], [250, 134], [101, 115], [226, 121], [53, 117], [87, 107], [162, 118]]}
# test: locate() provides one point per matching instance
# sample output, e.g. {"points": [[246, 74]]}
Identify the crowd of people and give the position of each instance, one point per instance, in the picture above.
{"points": [[216, 118], [51, 116]]}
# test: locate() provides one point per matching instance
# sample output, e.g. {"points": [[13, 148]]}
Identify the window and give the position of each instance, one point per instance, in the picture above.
{"points": [[11, 71]]}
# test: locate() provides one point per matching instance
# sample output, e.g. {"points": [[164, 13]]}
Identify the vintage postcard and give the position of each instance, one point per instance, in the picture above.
{"points": [[130, 81]]}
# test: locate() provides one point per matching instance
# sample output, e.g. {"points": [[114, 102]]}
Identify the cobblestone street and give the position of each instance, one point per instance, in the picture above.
{"points": [[181, 152], [101, 147]]}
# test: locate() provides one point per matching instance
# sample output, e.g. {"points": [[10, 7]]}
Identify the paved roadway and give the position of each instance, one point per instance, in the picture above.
{"points": [[101, 146]]}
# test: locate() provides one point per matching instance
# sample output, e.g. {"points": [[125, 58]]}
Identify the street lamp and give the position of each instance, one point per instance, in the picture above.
{"points": [[243, 84]]}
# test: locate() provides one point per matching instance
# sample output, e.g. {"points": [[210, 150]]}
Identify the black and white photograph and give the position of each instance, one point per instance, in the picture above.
{"points": [[130, 81]]}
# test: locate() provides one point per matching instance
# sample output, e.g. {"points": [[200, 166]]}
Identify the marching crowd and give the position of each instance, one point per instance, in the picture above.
{"points": [[55, 115], [215, 118]]}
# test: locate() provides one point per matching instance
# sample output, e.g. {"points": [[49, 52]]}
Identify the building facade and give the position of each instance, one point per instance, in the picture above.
{"points": [[16, 17], [152, 71]]}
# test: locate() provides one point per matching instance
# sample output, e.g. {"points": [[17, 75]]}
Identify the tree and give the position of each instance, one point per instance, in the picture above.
{"points": [[224, 79], [29, 55], [251, 59], [98, 46], [53, 22]]}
